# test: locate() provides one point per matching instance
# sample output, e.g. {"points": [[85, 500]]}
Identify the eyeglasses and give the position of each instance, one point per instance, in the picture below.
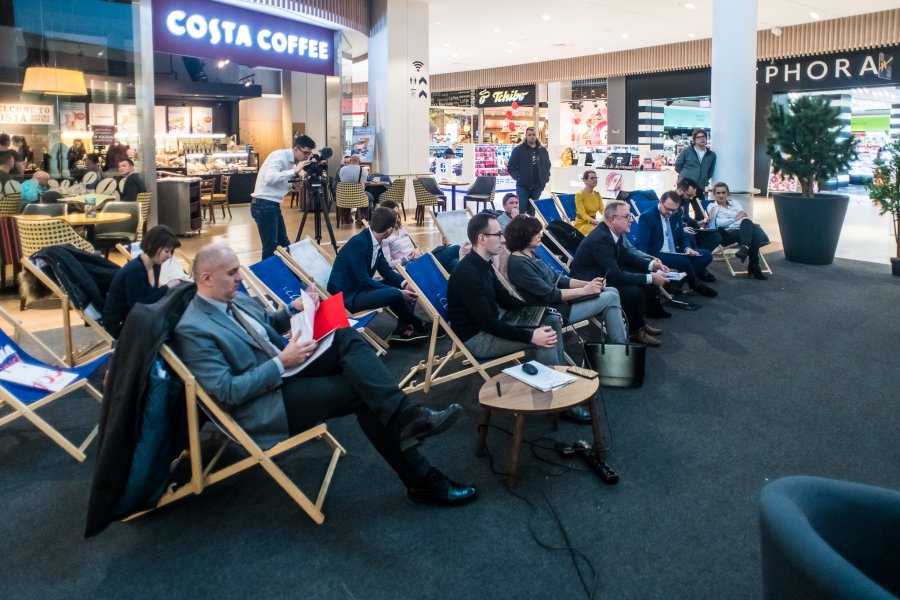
{"points": [[499, 234], [628, 217], [592, 177]]}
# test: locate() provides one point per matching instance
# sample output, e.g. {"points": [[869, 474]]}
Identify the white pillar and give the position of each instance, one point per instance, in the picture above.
{"points": [[734, 93], [556, 136], [400, 87]]}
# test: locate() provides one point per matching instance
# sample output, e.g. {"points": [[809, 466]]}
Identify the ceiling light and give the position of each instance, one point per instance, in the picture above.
{"points": [[600, 48], [509, 51], [545, 17], [446, 45], [248, 83], [496, 31], [691, 35], [438, 23], [624, 36], [58, 82], [510, 43], [534, 58], [815, 16], [777, 31], [455, 54], [689, 6], [100, 53], [223, 62]]}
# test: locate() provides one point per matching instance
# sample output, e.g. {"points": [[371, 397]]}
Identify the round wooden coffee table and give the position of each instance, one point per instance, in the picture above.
{"points": [[521, 399]]}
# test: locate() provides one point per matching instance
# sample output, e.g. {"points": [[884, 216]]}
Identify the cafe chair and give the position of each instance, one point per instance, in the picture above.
{"points": [[57, 209], [143, 200], [10, 205], [107, 235], [10, 249], [12, 187], [481, 192], [207, 186], [823, 538], [221, 199], [397, 193], [426, 276], [424, 198], [349, 195], [22, 401]]}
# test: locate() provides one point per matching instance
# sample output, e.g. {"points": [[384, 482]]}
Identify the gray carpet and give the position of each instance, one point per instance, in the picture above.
{"points": [[797, 374]]}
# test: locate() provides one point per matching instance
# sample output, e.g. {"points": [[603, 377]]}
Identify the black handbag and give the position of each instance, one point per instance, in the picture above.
{"points": [[619, 365]]}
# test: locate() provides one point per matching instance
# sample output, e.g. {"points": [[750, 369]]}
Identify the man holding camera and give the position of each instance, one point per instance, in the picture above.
{"points": [[273, 183]]}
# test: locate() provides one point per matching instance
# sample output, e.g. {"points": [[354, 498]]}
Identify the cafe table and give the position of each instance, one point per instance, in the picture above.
{"points": [[452, 185]]}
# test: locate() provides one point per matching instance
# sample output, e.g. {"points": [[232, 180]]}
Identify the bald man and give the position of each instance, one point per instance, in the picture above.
{"points": [[234, 348], [35, 186]]}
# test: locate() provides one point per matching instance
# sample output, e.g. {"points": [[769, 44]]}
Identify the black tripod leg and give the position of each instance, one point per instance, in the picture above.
{"points": [[302, 221], [325, 205]]}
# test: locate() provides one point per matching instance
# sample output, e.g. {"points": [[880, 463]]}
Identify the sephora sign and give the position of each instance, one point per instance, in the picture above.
{"points": [[217, 31]]}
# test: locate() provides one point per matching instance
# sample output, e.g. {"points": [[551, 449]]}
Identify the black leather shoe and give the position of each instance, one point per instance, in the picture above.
{"points": [[436, 489], [706, 276], [659, 313], [578, 414], [756, 273], [418, 422], [743, 253], [705, 290]]}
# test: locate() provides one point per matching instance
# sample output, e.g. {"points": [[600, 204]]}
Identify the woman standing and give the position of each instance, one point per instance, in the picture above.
{"points": [[587, 204], [138, 280], [730, 219]]}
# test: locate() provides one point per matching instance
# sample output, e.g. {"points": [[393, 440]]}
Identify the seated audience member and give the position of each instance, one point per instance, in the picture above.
{"points": [[587, 204], [37, 185], [476, 302], [138, 280], [92, 165], [234, 348], [730, 219], [399, 248], [352, 273], [661, 233], [707, 239], [7, 164], [353, 173], [133, 183], [510, 210], [636, 275], [575, 299]]}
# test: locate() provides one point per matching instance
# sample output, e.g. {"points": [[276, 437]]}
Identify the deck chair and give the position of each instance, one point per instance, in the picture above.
{"points": [[566, 203], [727, 253], [453, 225], [205, 475], [547, 210], [642, 205], [309, 262], [24, 400], [429, 280]]}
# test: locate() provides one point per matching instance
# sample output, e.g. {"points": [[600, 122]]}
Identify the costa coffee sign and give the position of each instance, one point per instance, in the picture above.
{"points": [[872, 67], [214, 30], [521, 95]]}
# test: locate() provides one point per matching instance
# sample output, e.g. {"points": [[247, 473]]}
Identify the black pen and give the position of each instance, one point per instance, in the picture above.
{"points": [[498, 390]]}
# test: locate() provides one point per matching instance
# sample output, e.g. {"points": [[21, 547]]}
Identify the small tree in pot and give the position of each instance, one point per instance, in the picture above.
{"points": [[802, 142], [884, 189]]}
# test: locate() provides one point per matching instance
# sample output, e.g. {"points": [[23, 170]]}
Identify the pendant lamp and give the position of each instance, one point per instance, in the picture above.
{"points": [[50, 80]]}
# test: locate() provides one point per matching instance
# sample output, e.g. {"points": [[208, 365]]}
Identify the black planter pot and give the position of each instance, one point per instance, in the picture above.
{"points": [[895, 267], [810, 227]]}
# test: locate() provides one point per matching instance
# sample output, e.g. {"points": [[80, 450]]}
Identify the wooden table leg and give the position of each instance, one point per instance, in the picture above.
{"points": [[482, 432], [512, 473]]}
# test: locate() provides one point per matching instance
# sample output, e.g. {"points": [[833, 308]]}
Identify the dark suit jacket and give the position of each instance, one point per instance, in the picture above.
{"points": [[132, 187], [599, 253], [351, 273], [650, 233]]}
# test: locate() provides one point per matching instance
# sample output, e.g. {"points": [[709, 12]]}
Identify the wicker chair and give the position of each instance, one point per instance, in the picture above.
{"points": [[47, 210], [397, 193], [143, 199], [350, 195], [221, 199], [425, 198], [40, 233], [10, 248], [10, 205]]}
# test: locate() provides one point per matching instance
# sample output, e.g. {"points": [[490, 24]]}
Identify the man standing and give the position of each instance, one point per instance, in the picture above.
{"points": [[510, 210], [272, 185], [34, 187], [633, 273], [662, 234], [233, 347], [352, 273], [707, 239], [132, 185], [529, 165], [696, 162]]}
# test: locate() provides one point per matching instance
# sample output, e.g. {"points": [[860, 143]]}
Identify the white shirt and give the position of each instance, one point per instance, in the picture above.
{"points": [[376, 247], [700, 155], [273, 181], [353, 174]]}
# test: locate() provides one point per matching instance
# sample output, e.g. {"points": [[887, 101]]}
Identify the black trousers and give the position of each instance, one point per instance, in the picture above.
{"points": [[749, 234], [349, 378], [634, 299]]}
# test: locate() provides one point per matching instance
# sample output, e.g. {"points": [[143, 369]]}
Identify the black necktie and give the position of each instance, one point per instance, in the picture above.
{"points": [[251, 330]]}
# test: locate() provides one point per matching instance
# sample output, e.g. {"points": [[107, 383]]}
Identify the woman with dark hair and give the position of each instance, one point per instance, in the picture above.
{"points": [[730, 219], [574, 299], [76, 153], [138, 280], [587, 204], [399, 248]]}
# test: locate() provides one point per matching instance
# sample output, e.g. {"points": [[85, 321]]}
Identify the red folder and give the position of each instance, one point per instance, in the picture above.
{"points": [[330, 316]]}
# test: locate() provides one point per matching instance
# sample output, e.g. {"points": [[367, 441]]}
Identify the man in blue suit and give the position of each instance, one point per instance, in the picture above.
{"points": [[661, 233], [352, 273]]}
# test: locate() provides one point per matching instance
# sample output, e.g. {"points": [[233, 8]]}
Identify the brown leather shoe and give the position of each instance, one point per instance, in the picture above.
{"points": [[654, 331], [642, 337]]}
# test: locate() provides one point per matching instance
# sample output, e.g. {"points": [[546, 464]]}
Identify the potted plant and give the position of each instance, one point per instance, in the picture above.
{"points": [[884, 190], [802, 141]]}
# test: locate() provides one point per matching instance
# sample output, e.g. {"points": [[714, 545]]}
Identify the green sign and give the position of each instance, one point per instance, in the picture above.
{"points": [[687, 117], [870, 123]]}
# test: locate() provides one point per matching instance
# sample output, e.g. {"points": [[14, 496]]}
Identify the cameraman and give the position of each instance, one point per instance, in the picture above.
{"points": [[273, 183]]}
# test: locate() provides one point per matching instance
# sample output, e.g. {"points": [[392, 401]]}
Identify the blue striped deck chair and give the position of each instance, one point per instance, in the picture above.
{"points": [[547, 210], [273, 279], [567, 202], [426, 276], [21, 401], [552, 261], [642, 205]]}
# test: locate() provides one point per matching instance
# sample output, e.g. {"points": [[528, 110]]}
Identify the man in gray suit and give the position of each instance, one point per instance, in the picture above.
{"points": [[234, 348]]}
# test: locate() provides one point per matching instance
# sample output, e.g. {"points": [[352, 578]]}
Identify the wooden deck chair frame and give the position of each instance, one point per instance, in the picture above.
{"points": [[27, 411], [540, 217], [561, 208], [437, 223], [205, 475], [434, 365], [73, 357], [378, 343], [726, 253]]}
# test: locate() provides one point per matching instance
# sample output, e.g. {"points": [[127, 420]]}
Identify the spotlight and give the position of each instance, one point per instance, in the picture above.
{"points": [[777, 31], [223, 62], [248, 83]]}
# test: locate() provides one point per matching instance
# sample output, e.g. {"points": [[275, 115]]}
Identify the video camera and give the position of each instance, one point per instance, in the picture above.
{"points": [[317, 165]]}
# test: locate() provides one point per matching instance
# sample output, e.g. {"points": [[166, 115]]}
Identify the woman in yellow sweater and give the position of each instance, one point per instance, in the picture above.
{"points": [[587, 204]]}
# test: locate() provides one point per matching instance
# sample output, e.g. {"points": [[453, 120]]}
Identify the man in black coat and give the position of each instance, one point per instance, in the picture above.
{"points": [[529, 165], [634, 274], [132, 183]]}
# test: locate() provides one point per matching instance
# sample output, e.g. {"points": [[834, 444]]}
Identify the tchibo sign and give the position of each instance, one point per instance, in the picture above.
{"points": [[212, 30]]}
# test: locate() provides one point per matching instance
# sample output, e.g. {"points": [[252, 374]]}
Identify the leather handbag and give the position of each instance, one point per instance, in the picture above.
{"points": [[619, 365]]}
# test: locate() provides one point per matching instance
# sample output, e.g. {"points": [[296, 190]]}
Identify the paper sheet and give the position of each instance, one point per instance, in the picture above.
{"points": [[546, 380], [41, 378]]}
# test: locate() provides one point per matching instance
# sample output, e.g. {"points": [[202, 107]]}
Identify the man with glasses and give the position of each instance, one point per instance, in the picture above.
{"points": [[352, 273], [662, 234], [636, 275], [707, 239], [272, 184], [477, 301]]}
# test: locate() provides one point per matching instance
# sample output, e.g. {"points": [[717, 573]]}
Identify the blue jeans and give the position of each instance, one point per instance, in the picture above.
{"points": [[270, 224], [608, 305], [525, 194], [448, 257]]}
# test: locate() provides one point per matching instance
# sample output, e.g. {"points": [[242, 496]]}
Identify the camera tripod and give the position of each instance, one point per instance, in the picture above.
{"points": [[317, 200]]}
